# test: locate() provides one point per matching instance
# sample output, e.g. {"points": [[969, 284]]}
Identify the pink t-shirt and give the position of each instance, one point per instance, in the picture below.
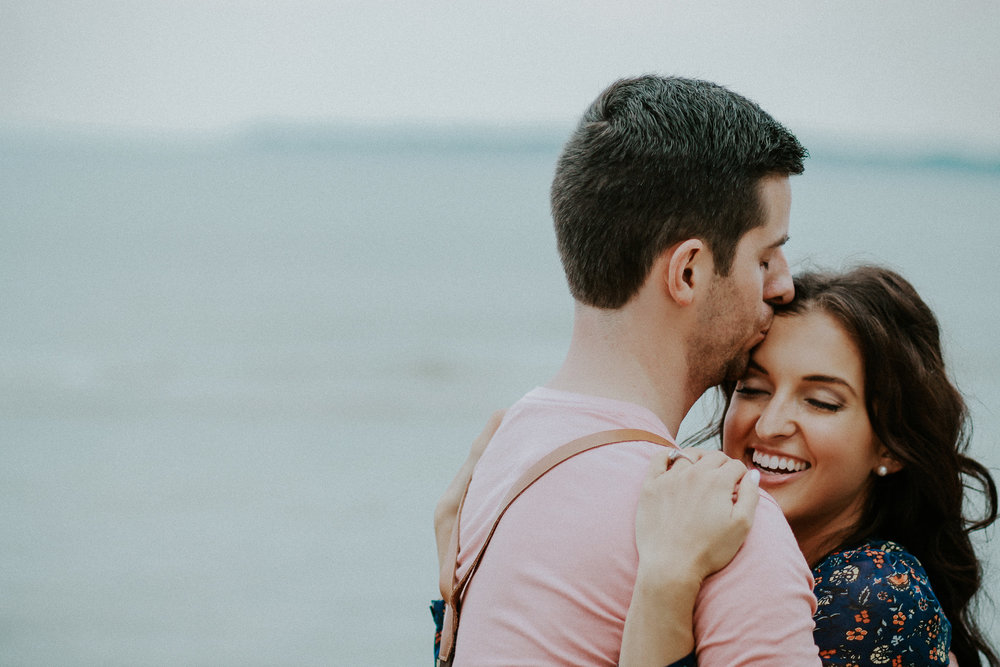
{"points": [[555, 583]]}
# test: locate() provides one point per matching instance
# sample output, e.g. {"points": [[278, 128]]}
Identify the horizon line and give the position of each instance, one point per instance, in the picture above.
{"points": [[442, 135]]}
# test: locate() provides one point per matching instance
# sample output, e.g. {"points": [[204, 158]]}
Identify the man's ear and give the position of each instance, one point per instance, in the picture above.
{"points": [[686, 265]]}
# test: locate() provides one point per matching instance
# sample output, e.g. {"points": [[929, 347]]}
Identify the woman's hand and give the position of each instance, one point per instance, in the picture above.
{"points": [[694, 512], [447, 508], [695, 509]]}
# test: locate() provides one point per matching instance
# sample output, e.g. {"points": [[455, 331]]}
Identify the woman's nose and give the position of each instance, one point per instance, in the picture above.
{"points": [[775, 421]]}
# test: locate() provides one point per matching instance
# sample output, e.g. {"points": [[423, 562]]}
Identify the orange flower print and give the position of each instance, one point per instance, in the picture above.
{"points": [[898, 581], [862, 617], [885, 597], [857, 634], [933, 626], [899, 618], [876, 557], [828, 653]]}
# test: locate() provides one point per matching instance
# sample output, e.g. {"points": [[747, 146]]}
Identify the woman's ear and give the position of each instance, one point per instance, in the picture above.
{"points": [[887, 465], [686, 262]]}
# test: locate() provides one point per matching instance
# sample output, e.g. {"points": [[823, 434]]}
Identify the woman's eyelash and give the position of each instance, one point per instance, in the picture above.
{"points": [[816, 403], [823, 405]]}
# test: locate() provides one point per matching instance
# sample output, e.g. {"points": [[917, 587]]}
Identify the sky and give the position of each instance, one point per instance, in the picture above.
{"points": [[888, 70]]}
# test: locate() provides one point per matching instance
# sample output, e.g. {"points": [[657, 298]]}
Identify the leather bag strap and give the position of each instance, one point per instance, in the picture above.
{"points": [[453, 590]]}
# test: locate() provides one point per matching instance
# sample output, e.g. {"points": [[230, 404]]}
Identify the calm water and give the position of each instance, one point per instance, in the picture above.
{"points": [[235, 377]]}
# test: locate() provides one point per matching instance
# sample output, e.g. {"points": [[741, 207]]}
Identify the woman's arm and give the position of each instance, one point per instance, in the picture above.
{"points": [[692, 518], [447, 507]]}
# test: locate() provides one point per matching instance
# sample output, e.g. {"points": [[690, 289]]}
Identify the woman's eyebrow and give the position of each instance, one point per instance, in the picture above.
{"points": [[830, 379]]}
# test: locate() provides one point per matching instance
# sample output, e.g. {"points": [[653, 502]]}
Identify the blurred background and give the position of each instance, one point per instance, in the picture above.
{"points": [[267, 267]]}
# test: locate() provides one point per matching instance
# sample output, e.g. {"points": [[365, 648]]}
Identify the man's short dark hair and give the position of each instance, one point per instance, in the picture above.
{"points": [[654, 161]]}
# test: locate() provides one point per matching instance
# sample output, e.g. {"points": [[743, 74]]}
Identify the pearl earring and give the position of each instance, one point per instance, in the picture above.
{"points": [[881, 471]]}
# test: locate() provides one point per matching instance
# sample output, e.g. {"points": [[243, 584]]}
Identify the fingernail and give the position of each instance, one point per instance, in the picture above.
{"points": [[755, 476]]}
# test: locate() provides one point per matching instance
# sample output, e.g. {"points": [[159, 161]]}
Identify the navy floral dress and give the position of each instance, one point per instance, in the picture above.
{"points": [[875, 607]]}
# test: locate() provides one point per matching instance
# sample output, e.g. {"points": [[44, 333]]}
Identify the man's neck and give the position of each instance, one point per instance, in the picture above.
{"points": [[614, 356]]}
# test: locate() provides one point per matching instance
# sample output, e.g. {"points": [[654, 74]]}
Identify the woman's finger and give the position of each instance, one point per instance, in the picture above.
{"points": [[746, 497], [675, 455], [657, 463]]}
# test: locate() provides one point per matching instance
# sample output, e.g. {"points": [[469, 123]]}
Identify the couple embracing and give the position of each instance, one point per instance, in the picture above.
{"points": [[671, 205]]}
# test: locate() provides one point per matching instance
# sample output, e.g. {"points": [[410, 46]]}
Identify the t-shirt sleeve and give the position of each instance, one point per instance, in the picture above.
{"points": [[758, 610], [876, 606]]}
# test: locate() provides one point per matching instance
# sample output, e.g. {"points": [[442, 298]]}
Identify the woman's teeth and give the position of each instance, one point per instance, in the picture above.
{"points": [[778, 464]]}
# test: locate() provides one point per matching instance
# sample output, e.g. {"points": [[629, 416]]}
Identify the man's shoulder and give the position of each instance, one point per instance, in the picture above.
{"points": [[768, 572], [770, 545], [770, 520], [545, 419]]}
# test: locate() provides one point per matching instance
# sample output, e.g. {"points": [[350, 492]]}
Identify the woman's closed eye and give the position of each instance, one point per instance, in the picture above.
{"points": [[749, 391], [824, 405]]}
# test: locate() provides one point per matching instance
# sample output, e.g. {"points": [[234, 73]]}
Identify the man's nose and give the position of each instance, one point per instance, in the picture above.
{"points": [[778, 288]]}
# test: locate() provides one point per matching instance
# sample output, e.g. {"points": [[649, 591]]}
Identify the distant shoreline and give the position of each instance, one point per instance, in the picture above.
{"points": [[437, 138]]}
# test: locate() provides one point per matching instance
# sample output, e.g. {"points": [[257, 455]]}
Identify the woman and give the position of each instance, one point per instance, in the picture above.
{"points": [[850, 418], [859, 435]]}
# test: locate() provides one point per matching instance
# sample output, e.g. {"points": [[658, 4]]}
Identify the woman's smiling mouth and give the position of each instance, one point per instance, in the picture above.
{"points": [[774, 464]]}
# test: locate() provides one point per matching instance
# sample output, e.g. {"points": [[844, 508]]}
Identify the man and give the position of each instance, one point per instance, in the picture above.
{"points": [[671, 203]]}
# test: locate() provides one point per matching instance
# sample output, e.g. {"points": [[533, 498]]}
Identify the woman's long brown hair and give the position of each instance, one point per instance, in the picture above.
{"points": [[919, 415]]}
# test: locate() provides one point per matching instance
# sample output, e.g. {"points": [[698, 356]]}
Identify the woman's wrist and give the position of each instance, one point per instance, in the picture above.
{"points": [[666, 574], [658, 629]]}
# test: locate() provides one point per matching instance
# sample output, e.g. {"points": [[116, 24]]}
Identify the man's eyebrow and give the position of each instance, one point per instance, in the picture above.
{"points": [[780, 242]]}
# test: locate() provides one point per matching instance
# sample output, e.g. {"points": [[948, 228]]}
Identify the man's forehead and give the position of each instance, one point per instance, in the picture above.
{"points": [[776, 201], [767, 237]]}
